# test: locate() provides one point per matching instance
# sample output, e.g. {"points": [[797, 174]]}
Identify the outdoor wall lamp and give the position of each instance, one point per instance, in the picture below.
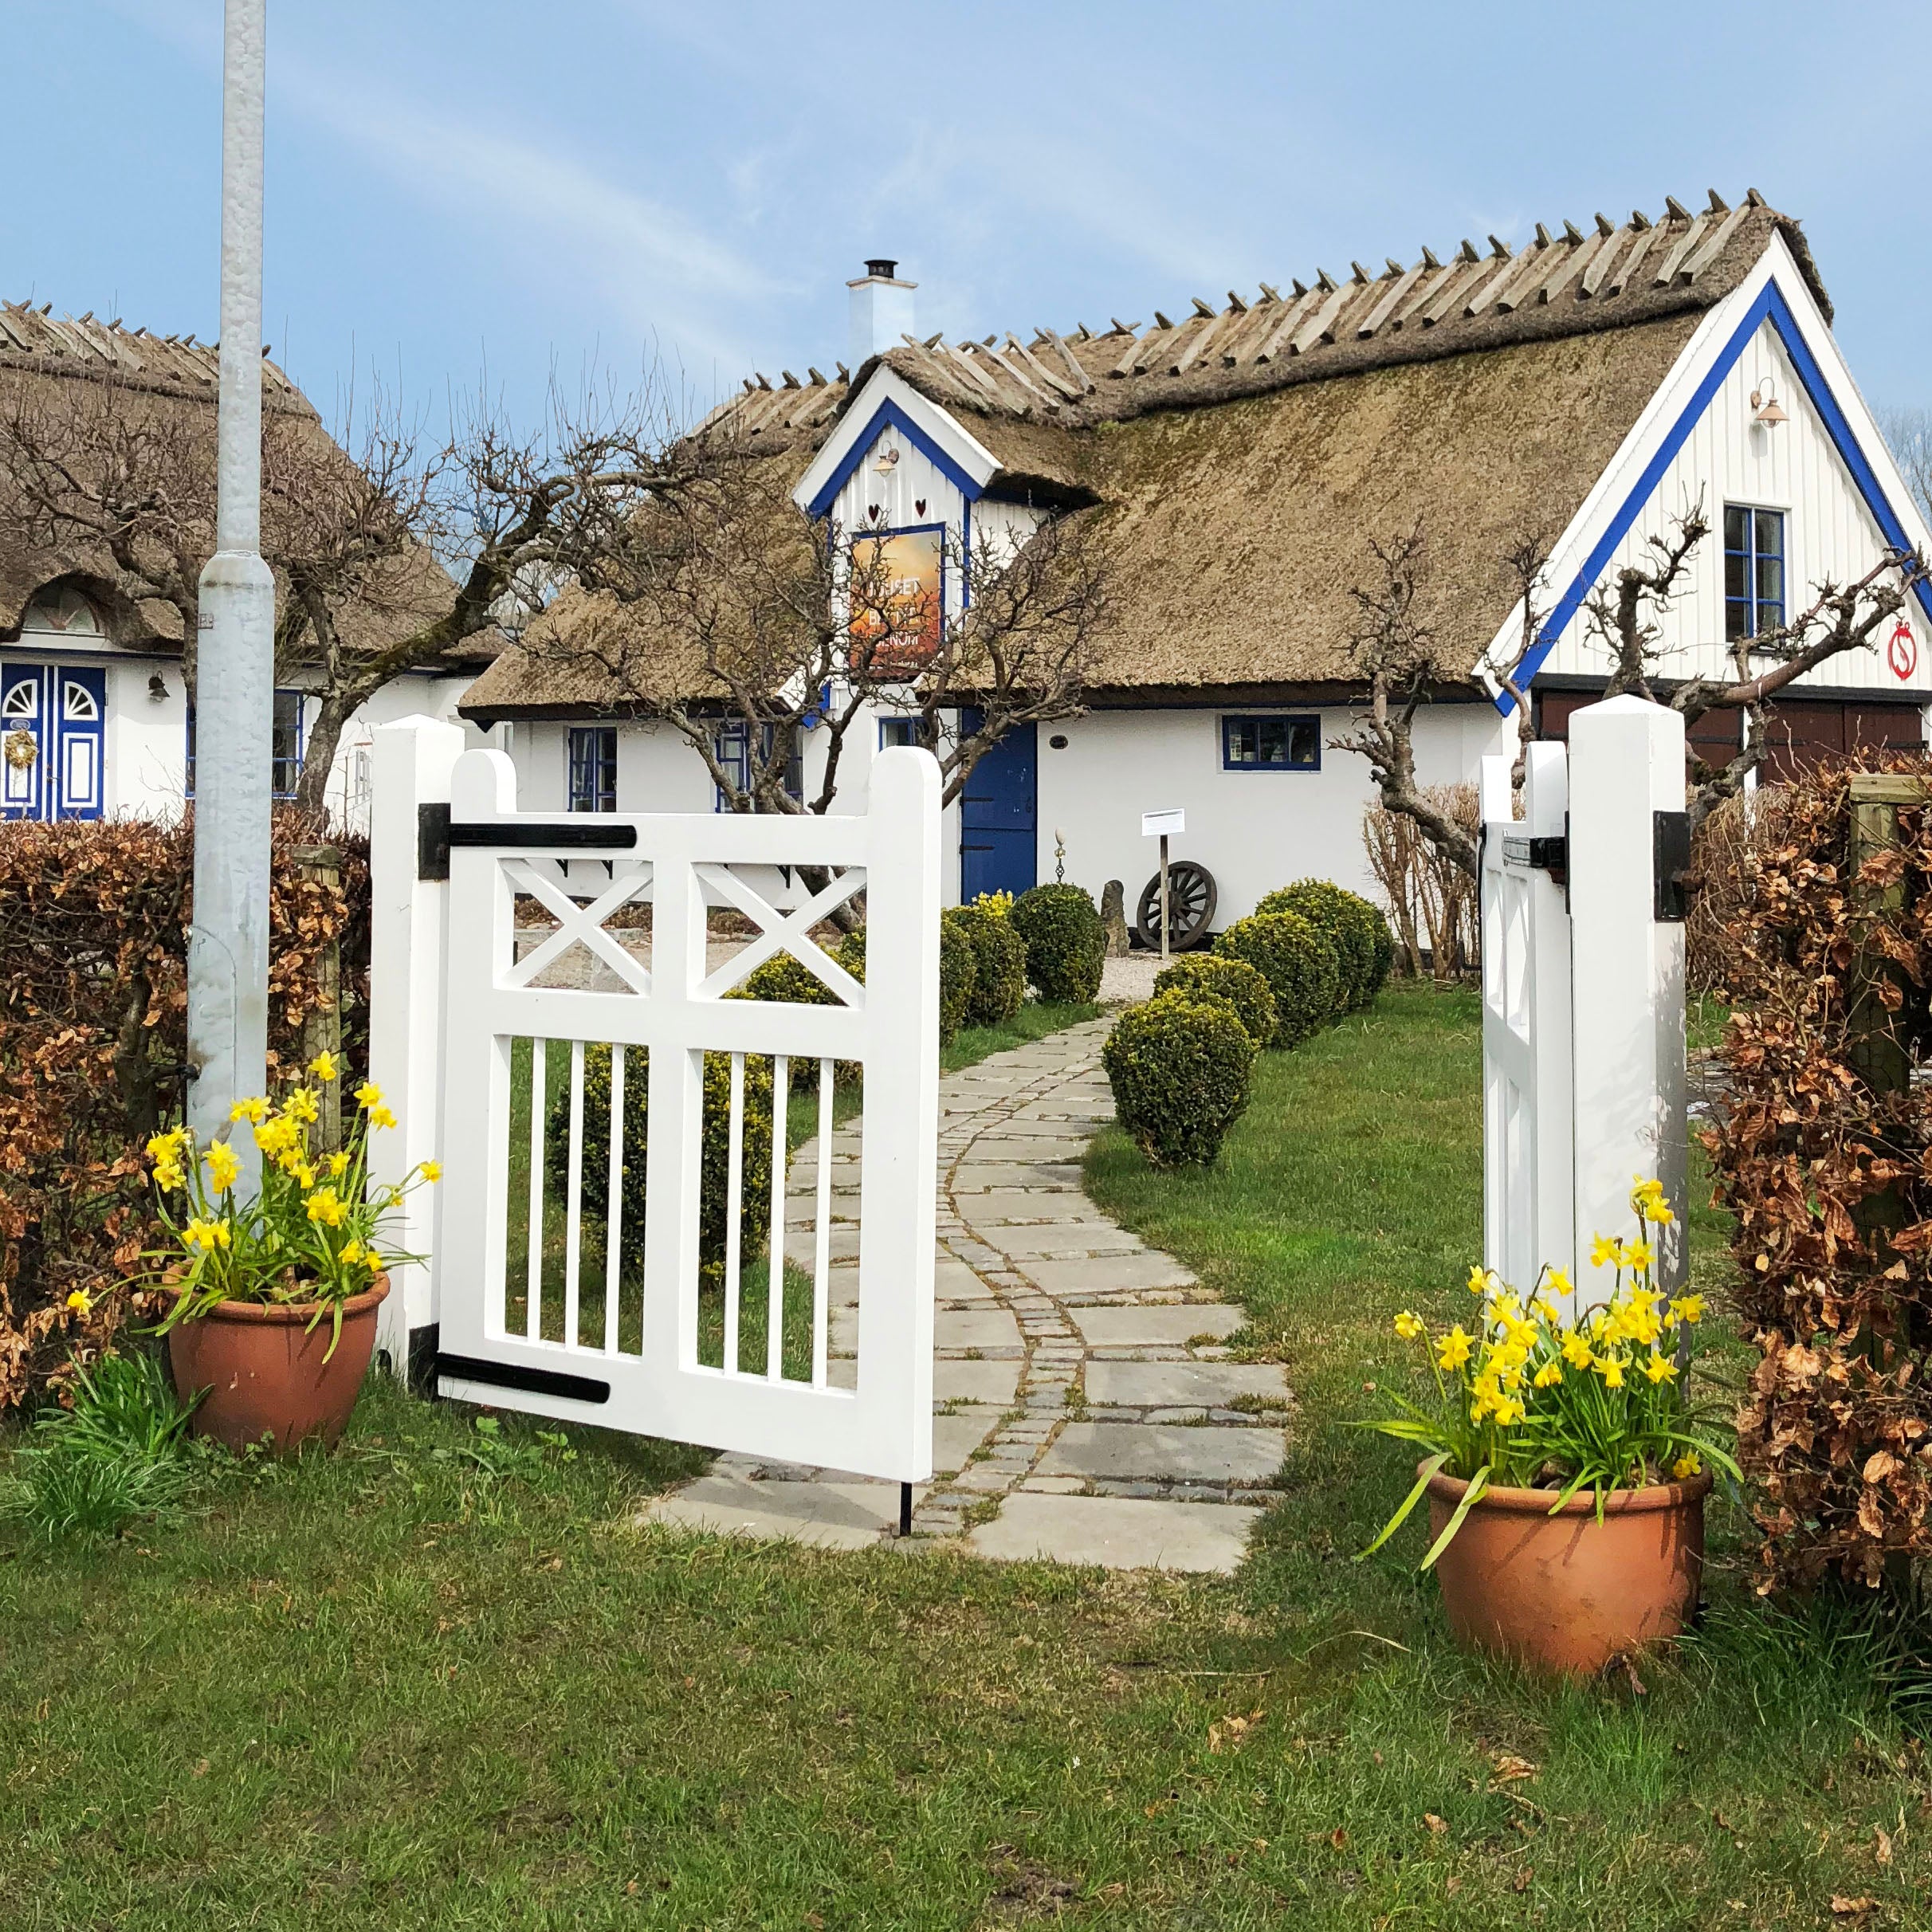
{"points": [[1764, 406], [157, 689]]}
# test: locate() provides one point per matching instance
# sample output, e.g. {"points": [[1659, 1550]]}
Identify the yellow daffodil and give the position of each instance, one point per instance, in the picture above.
{"points": [[205, 1235], [1687, 1308], [323, 1067], [326, 1208], [1409, 1326], [278, 1137], [432, 1171], [1479, 1280], [80, 1302], [168, 1174], [1605, 1254], [223, 1167], [1686, 1465], [300, 1106], [368, 1095], [1637, 1254], [381, 1117], [339, 1165], [168, 1146], [1660, 1368], [1556, 1282], [1658, 1211], [1576, 1350], [255, 1111], [352, 1251], [1453, 1350], [1610, 1369], [1509, 1411], [1548, 1375]]}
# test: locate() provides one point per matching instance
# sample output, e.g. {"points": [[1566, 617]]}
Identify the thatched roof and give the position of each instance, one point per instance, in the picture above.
{"points": [[1243, 455], [154, 375]]}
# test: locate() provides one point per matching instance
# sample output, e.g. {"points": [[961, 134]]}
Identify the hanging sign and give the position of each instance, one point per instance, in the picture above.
{"points": [[1902, 651]]}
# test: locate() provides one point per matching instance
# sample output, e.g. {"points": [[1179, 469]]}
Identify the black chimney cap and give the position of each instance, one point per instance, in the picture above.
{"points": [[878, 265]]}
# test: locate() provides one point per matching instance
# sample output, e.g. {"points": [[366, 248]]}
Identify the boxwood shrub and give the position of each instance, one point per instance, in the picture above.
{"points": [[958, 969], [999, 965], [1066, 945], [1356, 930], [1299, 965], [1179, 1066], [1234, 980], [755, 1211]]}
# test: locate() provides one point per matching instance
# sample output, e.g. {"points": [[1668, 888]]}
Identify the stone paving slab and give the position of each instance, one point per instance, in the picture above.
{"points": [[1147, 1451], [849, 1515], [1118, 1532], [991, 1382], [1117, 1384], [1142, 1325], [1148, 1269]]}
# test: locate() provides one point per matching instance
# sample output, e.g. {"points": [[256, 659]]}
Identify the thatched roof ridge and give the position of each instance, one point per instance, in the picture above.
{"points": [[36, 339], [1575, 282]]}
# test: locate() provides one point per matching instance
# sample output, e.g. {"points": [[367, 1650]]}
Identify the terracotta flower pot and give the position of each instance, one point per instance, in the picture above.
{"points": [[1566, 1592], [266, 1376]]}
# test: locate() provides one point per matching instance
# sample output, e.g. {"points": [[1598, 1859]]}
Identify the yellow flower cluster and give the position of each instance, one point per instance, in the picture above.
{"points": [[165, 1150], [1518, 1348], [998, 903], [206, 1235]]}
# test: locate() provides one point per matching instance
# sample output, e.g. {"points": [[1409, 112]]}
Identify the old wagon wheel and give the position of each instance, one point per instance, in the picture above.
{"points": [[1191, 897]]}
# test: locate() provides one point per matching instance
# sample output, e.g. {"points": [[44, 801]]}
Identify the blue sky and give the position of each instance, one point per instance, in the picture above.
{"points": [[459, 196]]}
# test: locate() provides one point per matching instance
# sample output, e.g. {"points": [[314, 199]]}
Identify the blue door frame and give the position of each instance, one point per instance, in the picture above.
{"points": [[54, 727], [999, 815]]}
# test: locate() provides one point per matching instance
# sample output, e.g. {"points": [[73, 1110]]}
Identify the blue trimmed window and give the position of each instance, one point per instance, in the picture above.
{"points": [[593, 767], [731, 744], [285, 746], [1270, 741], [1753, 572], [898, 731]]}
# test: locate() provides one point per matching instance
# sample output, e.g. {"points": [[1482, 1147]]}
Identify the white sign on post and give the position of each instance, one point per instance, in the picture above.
{"points": [[1163, 824]]}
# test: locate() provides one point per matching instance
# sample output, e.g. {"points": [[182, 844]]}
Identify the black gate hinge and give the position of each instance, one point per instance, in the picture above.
{"points": [[1671, 866]]}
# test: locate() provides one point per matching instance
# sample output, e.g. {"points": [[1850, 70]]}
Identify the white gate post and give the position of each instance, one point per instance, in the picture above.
{"points": [[408, 946], [1627, 767]]}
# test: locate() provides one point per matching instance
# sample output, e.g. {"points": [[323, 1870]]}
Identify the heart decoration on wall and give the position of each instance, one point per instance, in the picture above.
{"points": [[873, 512], [919, 506]]}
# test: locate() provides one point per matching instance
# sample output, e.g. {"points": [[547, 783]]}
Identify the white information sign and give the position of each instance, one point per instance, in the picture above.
{"points": [[1163, 824]]}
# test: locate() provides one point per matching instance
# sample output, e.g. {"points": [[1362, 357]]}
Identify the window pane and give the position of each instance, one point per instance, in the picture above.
{"points": [[1270, 743], [285, 743], [1770, 533], [1737, 528], [1305, 749], [1272, 735], [1737, 618], [1770, 591], [1240, 741], [1735, 579]]}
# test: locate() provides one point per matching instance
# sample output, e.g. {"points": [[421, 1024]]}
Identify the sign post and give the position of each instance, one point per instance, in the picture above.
{"points": [[1164, 825]]}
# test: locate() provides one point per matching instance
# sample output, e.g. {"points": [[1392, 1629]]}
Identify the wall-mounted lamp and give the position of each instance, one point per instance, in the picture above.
{"points": [[1764, 406], [157, 689]]}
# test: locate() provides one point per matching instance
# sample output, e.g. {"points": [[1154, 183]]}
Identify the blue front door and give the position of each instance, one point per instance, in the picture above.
{"points": [[53, 741], [999, 815]]}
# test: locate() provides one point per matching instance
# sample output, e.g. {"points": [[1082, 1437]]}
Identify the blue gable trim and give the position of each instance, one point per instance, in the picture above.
{"points": [[889, 412], [1770, 305]]}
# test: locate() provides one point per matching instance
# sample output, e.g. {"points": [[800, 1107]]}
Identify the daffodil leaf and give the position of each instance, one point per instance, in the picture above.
{"points": [[1395, 1522], [1478, 1486]]}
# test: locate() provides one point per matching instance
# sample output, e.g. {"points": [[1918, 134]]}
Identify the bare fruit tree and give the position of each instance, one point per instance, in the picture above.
{"points": [[718, 603], [390, 554], [1397, 653]]}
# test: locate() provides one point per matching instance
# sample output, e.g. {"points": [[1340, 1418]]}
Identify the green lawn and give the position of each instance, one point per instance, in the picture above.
{"points": [[437, 1680]]}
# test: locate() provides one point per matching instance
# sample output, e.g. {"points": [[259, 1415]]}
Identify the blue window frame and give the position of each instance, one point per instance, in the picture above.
{"points": [[1270, 741], [1753, 571], [285, 745], [731, 744], [898, 731], [593, 767]]}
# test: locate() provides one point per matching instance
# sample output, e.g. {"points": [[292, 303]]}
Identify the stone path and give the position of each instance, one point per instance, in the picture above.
{"points": [[1084, 1406]]}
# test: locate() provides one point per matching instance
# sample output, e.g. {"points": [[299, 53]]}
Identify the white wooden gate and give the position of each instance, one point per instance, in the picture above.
{"points": [[541, 1298], [1583, 992]]}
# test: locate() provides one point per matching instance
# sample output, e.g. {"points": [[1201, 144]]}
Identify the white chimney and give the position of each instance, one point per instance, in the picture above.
{"points": [[881, 311]]}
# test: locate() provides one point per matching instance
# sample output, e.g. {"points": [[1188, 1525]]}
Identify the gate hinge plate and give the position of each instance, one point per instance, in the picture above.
{"points": [[432, 841], [1671, 866], [1549, 853]]}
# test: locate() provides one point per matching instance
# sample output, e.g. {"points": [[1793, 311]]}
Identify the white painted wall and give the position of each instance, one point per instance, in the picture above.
{"points": [[1254, 831]]}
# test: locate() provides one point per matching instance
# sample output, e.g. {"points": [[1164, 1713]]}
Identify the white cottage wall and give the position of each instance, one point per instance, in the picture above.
{"points": [[1254, 831]]}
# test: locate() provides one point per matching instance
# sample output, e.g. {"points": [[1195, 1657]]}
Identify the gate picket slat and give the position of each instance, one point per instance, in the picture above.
{"points": [[775, 1293], [734, 1202], [613, 1209], [574, 1199], [821, 1247], [533, 1284]]}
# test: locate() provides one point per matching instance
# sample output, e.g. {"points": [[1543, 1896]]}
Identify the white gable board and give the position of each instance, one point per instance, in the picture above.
{"points": [[1699, 427]]}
